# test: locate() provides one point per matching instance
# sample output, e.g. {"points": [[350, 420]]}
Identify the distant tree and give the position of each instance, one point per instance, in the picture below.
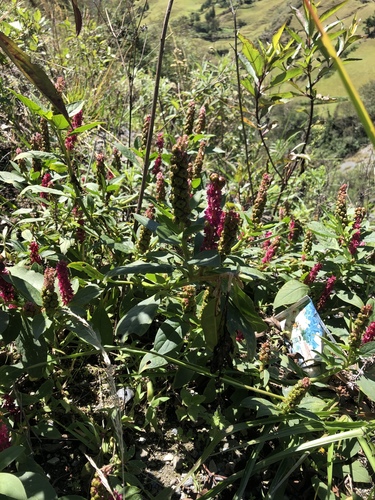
{"points": [[370, 26]]}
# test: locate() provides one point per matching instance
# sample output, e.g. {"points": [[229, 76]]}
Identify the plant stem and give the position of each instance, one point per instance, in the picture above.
{"points": [[153, 110]]}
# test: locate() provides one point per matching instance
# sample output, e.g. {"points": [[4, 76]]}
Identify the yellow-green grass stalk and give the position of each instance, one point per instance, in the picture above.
{"points": [[349, 87]]}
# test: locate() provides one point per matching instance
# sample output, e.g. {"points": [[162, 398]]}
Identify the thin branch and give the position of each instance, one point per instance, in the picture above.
{"points": [[234, 14], [153, 110]]}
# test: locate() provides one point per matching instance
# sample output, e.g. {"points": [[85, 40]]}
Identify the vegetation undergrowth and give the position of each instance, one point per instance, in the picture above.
{"points": [[151, 281]]}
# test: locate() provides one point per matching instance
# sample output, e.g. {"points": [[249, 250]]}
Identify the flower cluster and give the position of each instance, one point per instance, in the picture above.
{"points": [[189, 303], [271, 249], [72, 138], [145, 129], [65, 286], [296, 395], [311, 277], [355, 336], [340, 210], [60, 84], [227, 231], [144, 233], [264, 353], [158, 161], [35, 258], [7, 292], [355, 241], [295, 229], [197, 166], [326, 292], [4, 436], [307, 244], [189, 120], [80, 232], [369, 335], [213, 211], [261, 199], [201, 122], [49, 296], [180, 189]]}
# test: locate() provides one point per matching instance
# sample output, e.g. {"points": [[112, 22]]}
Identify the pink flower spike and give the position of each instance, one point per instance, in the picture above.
{"points": [[35, 258], [4, 436], [65, 286], [369, 335]]}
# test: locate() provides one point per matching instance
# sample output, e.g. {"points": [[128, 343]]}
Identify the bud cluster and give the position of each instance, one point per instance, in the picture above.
{"points": [[271, 249], [261, 199], [189, 303], [227, 231], [340, 210], [296, 395], [180, 189], [145, 130], [201, 122], [355, 336], [326, 292], [213, 211], [71, 139], [189, 120], [311, 277], [144, 233]]}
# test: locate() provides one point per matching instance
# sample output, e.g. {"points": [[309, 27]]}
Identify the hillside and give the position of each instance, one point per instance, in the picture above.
{"points": [[262, 18]]}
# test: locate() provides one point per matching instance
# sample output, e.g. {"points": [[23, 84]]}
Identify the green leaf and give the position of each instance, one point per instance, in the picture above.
{"points": [[367, 386], [11, 488], [350, 298], [252, 55], [332, 10], [138, 320], [85, 296], [84, 128], [33, 73], [34, 107], [140, 267], [83, 329], [9, 374], [236, 321], [4, 321], [210, 321], [11, 177], [87, 269], [367, 350], [33, 352], [246, 308], [102, 324], [321, 230], [128, 153], [28, 283], [37, 486], [8, 455], [355, 470], [290, 293], [207, 258], [149, 223], [285, 76]]}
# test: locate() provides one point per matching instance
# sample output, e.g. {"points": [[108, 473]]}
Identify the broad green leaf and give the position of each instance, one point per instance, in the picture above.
{"points": [[11, 488], [102, 324], [11, 177], [285, 76], [28, 283], [207, 258], [245, 307], [355, 470], [40, 155], [9, 374], [34, 107], [210, 321], [321, 230], [138, 320], [367, 386], [33, 352], [237, 322], [253, 55], [85, 295], [170, 336], [85, 128], [350, 298], [37, 487], [128, 153], [140, 267], [367, 350], [145, 221], [60, 122], [87, 269], [289, 293], [8, 455], [151, 361], [4, 321], [33, 73], [83, 329]]}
